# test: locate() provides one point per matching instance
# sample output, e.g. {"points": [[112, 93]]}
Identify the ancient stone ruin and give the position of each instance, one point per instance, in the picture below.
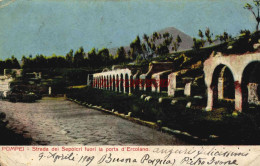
{"points": [[229, 78]]}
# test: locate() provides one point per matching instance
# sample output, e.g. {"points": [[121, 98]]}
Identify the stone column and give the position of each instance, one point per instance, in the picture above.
{"points": [[210, 99], [116, 83], [100, 84], [159, 83], [187, 89], [172, 84], [124, 84], [221, 88], [238, 96], [130, 84], [119, 83], [253, 97]]}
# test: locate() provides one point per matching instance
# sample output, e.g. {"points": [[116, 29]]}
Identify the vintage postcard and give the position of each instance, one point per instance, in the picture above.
{"points": [[129, 82]]}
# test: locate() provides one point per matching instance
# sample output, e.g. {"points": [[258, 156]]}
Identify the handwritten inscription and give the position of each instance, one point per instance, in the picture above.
{"points": [[155, 157]]}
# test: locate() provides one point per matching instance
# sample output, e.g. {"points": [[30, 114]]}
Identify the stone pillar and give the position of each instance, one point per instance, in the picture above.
{"points": [[238, 96], [253, 97], [100, 82], [130, 84], [187, 89], [141, 84], [119, 84], [210, 99], [144, 84], [221, 88], [154, 85], [172, 84], [49, 90], [127, 84], [159, 84]]}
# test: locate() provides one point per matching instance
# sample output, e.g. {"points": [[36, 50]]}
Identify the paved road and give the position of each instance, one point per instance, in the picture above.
{"points": [[56, 121]]}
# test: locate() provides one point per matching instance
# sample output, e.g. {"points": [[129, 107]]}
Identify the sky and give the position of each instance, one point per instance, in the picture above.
{"points": [[30, 27]]}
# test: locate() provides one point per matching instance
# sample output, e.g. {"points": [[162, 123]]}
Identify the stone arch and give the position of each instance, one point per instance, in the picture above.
{"points": [[223, 86], [250, 85]]}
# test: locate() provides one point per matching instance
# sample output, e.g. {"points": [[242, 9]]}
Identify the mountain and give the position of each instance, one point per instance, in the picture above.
{"points": [[186, 43]]}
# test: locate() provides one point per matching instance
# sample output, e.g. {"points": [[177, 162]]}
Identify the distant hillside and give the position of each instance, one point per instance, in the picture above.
{"points": [[186, 43]]}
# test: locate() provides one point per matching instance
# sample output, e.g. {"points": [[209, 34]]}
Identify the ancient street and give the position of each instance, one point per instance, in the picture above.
{"points": [[56, 121]]}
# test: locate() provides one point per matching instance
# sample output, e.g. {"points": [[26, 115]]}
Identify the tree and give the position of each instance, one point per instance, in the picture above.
{"points": [[201, 34], [69, 58], [104, 55], [94, 59], [251, 9], [208, 35], [120, 54], [15, 63], [136, 47], [162, 49], [156, 35], [176, 43], [166, 35], [224, 37], [197, 44], [146, 38], [79, 57], [201, 41]]}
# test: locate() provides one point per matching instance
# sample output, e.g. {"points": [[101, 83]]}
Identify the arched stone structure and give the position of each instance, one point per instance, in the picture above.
{"points": [[222, 84], [237, 65], [113, 80]]}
